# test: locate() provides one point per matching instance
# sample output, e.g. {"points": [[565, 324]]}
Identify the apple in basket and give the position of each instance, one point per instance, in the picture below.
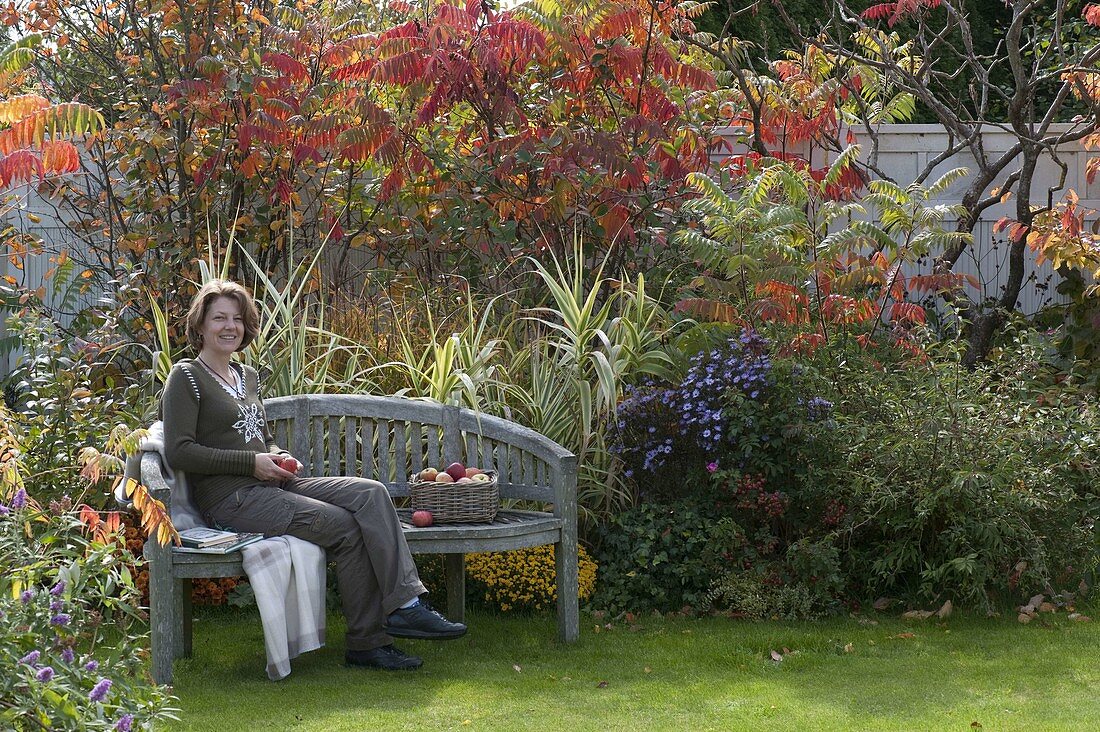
{"points": [[422, 518], [481, 478], [456, 471], [444, 478], [428, 474]]}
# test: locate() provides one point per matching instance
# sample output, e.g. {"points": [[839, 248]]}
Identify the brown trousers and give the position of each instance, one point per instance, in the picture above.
{"points": [[354, 520]]}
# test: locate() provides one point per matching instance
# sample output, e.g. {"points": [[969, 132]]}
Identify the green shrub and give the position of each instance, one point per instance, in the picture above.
{"points": [[748, 595], [976, 486], [72, 641], [655, 557], [64, 395]]}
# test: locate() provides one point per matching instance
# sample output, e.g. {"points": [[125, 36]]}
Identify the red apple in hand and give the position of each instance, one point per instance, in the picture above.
{"points": [[422, 518], [288, 464]]}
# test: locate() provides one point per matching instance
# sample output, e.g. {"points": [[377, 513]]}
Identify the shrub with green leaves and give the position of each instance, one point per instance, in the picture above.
{"points": [[65, 394], [655, 557], [71, 637], [976, 486]]}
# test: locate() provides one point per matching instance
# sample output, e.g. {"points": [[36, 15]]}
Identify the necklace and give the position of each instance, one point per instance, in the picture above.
{"points": [[234, 389]]}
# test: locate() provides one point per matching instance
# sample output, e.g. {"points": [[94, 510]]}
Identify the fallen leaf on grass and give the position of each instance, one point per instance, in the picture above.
{"points": [[882, 603], [776, 656], [636, 627], [917, 614], [904, 636], [517, 668], [1078, 617], [848, 648], [647, 670], [601, 685], [976, 724]]}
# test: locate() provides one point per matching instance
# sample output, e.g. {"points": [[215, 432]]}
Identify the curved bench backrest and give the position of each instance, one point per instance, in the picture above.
{"points": [[391, 438]]}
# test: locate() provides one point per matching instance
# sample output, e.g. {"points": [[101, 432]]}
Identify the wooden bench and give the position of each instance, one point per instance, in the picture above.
{"points": [[388, 439]]}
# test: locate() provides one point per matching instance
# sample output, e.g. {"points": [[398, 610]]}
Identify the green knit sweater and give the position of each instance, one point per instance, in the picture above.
{"points": [[212, 436]]}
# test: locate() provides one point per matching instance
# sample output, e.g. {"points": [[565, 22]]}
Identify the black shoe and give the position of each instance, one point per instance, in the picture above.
{"points": [[387, 658], [420, 621]]}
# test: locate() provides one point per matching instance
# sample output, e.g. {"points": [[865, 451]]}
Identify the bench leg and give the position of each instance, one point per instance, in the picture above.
{"points": [[456, 587], [163, 589], [569, 619], [183, 632]]}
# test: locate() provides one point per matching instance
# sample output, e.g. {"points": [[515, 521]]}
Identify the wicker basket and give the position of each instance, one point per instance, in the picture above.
{"points": [[456, 503]]}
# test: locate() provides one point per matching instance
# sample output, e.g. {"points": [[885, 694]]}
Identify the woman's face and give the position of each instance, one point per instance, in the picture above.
{"points": [[223, 327]]}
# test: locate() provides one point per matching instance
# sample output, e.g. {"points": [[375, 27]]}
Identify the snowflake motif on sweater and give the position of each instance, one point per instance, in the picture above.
{"points": [[251, 423]]}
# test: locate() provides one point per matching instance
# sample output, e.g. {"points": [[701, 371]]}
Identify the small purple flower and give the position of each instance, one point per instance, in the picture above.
{"points": [[58, 589], [91, 666], [711, 467], [19, 500], [67, 655], [60, 619], [44, 674], [26, 597], [124, 723], [55, 606], [99, 691], [31, 658], [4, 510]]}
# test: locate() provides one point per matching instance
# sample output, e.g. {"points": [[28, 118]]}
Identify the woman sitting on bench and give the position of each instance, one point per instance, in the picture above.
{"points": [[215, 430]]}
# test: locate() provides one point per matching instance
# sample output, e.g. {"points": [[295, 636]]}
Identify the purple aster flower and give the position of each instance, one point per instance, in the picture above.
{"points": [[20, 499], [58, 589], [91, 665], [60, 619], [26, 596], [67, 655], [99, 691], [31, 658], [44, 674], [124, 723], [711, 467]]}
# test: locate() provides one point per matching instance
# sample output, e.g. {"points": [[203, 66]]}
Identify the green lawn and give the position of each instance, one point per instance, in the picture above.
{"points": [[664, 674]]}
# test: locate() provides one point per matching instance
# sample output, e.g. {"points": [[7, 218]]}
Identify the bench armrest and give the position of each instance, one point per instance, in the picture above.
{"points": [[152, 477]]}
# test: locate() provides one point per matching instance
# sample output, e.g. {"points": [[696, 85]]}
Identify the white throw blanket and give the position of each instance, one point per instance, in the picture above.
{"points": [[286, 573]]}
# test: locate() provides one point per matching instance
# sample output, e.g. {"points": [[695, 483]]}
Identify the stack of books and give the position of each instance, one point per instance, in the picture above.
{"points": [[214, 541]]}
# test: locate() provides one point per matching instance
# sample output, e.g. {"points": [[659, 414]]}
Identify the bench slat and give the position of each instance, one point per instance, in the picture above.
{"points": [[383, 463], [366, 448]]}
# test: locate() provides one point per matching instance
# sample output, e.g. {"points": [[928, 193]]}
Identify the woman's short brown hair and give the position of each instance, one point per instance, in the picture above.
{"points": [[210, 292]]}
